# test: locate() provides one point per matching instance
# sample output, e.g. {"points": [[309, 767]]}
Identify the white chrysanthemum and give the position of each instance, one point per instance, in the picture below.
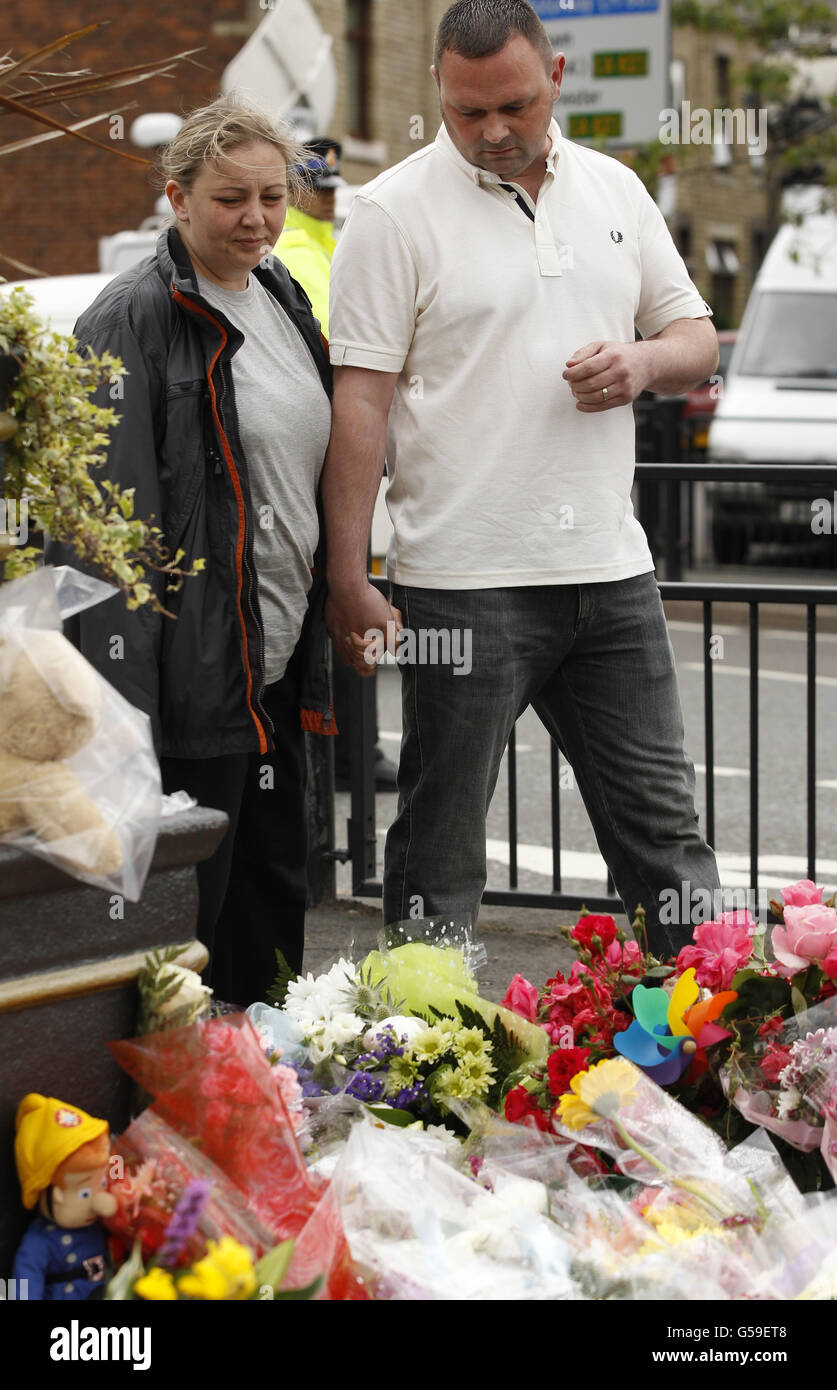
{"points": [[344, 1027], [311, 1000]]}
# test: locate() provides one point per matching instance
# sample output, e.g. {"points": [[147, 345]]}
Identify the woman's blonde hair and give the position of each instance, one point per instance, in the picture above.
{"points": [[216, 131]]}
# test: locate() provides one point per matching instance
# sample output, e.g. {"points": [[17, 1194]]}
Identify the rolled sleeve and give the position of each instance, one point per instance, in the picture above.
{"points": [[667, 291], [374, 290]]}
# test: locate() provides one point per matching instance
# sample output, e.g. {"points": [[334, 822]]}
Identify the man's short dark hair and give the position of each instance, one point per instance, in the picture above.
{"points": [[480, 28]]}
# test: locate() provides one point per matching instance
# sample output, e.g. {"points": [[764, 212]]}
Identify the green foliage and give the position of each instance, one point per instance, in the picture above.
{"points": [[508, 1053], [61, 435], [284, 976], [765, 21], [369, 999], [158, 988]]}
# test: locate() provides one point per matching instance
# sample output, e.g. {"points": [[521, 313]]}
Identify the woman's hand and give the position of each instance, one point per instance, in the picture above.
{"points": [[365, 612]]}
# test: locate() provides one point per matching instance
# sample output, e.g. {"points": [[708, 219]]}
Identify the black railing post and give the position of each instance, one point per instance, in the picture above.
{"points": [[9, 369], [511, 768], [811, 691], [362, 833], [322, 872]]}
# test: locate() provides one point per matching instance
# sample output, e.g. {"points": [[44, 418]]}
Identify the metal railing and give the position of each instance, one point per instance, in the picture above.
{"points": [[362, 826]]}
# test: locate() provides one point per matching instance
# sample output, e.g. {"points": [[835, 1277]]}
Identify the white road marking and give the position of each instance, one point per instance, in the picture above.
{"points": [[700, 768], [722, 669], [775, 871], [719, 630]]}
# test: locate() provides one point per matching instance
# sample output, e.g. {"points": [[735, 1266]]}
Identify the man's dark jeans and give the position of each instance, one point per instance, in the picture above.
{"points": [[596, 664]]}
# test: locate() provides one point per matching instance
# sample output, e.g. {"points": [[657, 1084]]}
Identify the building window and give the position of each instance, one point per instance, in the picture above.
{"points": [[358, 51], [722, 78]]}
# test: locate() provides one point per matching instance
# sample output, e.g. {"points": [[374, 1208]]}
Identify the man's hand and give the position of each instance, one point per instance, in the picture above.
{"points": [[350, 617], [620, 370], [604, 375]]}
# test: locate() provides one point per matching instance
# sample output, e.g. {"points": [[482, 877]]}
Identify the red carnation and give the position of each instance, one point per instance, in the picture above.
{"points": [[587, 927], [774, 1061], [521, 1107], [563, 1064]]}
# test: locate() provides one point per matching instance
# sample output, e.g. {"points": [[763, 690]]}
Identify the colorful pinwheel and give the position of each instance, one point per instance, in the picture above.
{"points": [[670, 1032]]}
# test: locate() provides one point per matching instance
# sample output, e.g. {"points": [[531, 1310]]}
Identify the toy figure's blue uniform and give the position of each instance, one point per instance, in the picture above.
{"points": [[60, 1263]]}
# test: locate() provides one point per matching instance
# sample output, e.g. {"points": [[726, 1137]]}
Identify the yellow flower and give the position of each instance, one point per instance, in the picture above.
{"points": [[675, 1214], [597, 1093], [429, 1046], [469, 1042], [157, 1284], [225, 1272]]}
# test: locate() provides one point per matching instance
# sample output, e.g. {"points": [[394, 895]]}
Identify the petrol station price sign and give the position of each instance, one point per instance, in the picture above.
{"points": [[616, 79]]}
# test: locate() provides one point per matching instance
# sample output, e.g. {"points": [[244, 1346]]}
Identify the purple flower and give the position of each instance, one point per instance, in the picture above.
{"points": [[365, 1087], [184, 1221], [387, 1045], [311, 1088], [409, 1095]]}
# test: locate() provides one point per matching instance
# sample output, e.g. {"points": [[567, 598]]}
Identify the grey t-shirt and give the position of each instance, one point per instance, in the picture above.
{"points": [[284, 420]]}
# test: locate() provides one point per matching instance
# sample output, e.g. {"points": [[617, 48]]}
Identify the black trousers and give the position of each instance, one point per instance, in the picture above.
{"points": [[252, 890]]}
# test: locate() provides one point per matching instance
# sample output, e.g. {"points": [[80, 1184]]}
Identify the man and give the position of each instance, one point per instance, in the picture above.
{"points": [[306, 247], [488, 289], [307, 243]]}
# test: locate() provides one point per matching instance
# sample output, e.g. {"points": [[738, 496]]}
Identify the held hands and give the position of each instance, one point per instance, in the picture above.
{"points": [[367, 611], [602, 376]]}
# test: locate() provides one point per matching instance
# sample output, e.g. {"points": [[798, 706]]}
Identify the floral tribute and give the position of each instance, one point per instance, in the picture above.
{"points": [[742, 1040], [214, 1086], [587, 1139]]}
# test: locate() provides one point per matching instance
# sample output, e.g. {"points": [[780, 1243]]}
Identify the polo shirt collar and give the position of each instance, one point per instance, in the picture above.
{"points": [[480, 176]]}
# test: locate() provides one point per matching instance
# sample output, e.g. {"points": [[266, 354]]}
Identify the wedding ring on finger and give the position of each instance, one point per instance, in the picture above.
{"points": [[604, 393]]}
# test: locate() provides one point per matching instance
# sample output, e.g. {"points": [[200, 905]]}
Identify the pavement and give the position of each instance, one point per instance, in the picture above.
{"points": [[517, 940]]}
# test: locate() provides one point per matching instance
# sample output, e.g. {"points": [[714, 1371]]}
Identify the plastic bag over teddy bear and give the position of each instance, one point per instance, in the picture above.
{"points": [[79, 779]]}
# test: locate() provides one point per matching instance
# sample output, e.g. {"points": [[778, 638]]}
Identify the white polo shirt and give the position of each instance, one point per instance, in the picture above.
{"points": [[495, 479]]}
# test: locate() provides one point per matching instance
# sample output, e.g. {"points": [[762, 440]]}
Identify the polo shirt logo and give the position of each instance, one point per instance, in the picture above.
{"points": [[616, 236]]}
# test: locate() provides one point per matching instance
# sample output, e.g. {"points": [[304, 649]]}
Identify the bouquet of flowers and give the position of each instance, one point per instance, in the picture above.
{"points": [[406, 1030], [214, 1085], [705, 1024], [154, 1167]]}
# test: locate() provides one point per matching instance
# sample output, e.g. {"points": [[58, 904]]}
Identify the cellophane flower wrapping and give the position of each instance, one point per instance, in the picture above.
{"points": [[420, 1228], [80, 781], [157, 1165], [635, 1241], [429, 964], [214, 1085], [655, 1140], [788, 1085]]}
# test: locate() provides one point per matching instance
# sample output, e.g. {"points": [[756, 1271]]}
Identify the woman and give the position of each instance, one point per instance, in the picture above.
{"points": [[225, 420]]}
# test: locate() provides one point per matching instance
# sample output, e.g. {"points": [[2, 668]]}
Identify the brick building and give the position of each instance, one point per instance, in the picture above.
{"points": [[57, 199], [60, 197], [719, 222]]}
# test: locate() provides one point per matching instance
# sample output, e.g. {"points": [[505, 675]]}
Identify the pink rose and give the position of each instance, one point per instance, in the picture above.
{"points": [[802, 894], [522, 998], [626, 959], [721, 949], [738, 917], [808, 935]]}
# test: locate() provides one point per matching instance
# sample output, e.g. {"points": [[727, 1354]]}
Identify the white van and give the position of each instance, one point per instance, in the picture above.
{"points": [[779, 403]]}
